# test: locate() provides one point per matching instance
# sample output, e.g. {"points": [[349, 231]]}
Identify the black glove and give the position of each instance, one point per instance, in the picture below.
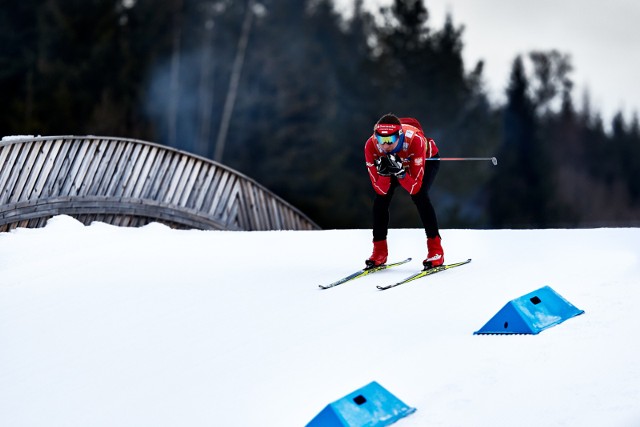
{"points": [[390, 166], [382, 165]]}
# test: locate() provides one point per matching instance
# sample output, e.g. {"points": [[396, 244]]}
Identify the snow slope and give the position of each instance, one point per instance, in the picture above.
{"points": [[106, 326]]}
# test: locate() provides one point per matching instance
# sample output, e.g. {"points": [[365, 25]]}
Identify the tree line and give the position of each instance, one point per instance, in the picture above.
{"points": [[309, 85]]}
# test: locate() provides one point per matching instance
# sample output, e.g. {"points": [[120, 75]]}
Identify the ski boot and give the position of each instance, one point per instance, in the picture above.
{"points": [[435, 255], [379, 255]]}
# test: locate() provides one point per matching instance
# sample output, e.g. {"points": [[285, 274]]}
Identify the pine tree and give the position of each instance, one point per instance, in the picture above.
{"points": [[521, 188]]}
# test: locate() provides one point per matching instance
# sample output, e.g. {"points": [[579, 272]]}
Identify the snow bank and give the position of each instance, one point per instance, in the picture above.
{"points": [[107, 326]]}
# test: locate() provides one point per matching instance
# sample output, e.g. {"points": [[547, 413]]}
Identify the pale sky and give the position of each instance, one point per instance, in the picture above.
{"points": [[601, 37]]}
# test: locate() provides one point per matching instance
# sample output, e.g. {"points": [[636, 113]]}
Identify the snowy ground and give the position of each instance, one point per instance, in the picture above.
{"points": [[106, 326]]}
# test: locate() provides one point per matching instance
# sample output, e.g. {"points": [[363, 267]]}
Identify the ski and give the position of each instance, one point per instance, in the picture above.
{"points": [[424, 273], [364, 272]]}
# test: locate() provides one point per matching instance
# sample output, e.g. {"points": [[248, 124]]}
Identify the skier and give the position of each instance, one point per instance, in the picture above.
{"points": [[395, 154]]}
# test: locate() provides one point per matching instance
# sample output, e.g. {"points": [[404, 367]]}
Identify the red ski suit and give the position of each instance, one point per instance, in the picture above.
{"points": [[415, 149]]}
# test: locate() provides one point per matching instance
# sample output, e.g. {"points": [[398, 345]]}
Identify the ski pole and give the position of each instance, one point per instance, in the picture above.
{"points": [[493, 159]]}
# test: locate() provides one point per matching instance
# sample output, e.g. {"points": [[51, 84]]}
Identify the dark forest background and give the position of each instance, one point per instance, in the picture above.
{"points": [[312, 84]]}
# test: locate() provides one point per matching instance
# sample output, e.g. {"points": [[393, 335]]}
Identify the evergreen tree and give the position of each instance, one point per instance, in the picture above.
{"points": [[289, 140], [311, 87], [632, 159], [19, 61], [521, 188]]}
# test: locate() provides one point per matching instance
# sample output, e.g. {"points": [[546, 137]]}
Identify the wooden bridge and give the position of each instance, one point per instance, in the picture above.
{"points": [[129, 182]]}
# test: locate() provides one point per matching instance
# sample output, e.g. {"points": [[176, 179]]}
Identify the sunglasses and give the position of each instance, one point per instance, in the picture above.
{"points": [[388, 140]]}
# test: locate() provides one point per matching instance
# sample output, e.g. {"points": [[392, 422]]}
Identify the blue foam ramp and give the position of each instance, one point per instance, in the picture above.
{"points": [[370, 406], [531, 314]]}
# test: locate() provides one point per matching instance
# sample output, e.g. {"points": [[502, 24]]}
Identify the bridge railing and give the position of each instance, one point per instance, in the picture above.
{"points": [[130, 182]]}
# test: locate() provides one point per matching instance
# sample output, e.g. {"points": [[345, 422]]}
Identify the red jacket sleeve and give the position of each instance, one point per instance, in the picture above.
{"points": [[381, 184], [420, 148]]}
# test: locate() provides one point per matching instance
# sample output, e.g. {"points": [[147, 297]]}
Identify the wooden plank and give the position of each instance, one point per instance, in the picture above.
{"points": [[93, 166], [16, 172], [261, 219], [222, 195], [209, 201], [229, 197], [113, 171], [233, 209], [65, 167], [183, 180], [52, 150], [5, 165], [202, 182], [121, 170], [168, 169], [25, 172], [278, 220], [79, 185], [135, 172], [263, 209], [194, 185], [267, 213], [188, 183], [222, 189], [153, 175], [68, 182], [7, 171], [244, 216], [145, 177], [126, 169], [260, 212], [158, 171], [106, 150], [282, 217], [109, 173], [37, 162], [62, 162], [251, 222], [175, 179]]}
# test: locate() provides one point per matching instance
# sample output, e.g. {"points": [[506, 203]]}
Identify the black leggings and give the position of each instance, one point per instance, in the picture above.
{"points": [[420, 199]]}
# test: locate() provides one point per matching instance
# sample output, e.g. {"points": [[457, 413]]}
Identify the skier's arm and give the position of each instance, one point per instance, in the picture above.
{"points": [[381, 184], [412, 181]]}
